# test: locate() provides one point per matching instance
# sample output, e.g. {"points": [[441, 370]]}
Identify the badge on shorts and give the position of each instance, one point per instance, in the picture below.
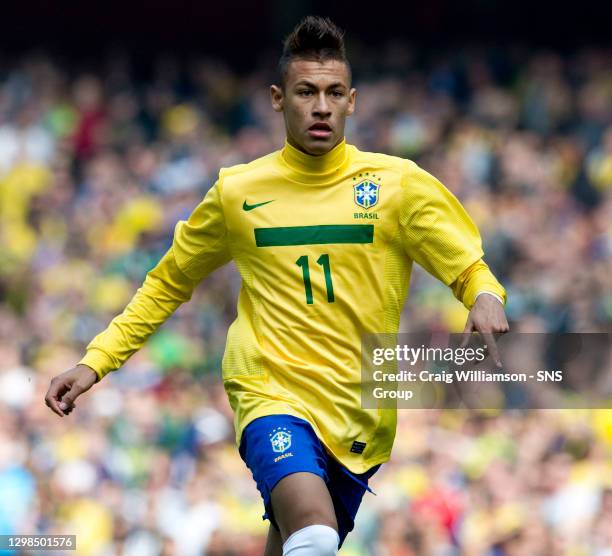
{"points": [[280, 438]]}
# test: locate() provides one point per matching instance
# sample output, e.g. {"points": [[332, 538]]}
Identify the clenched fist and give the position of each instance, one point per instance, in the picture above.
{"points": [[67, 387]]}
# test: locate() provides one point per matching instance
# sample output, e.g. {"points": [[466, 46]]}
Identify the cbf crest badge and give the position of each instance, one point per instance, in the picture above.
{"points": [[366, 192], [280, 438]]}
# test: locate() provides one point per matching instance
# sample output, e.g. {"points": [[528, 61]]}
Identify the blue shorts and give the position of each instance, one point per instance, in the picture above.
{"points": [[275, 446]]}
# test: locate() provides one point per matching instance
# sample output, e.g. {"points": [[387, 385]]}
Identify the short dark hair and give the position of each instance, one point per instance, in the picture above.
{"points": [[314, 38]]}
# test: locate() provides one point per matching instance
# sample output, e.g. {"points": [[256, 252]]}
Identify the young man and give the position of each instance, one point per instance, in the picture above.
{"points": [[324, 237]]}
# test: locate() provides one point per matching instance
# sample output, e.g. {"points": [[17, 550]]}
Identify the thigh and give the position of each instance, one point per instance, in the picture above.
{"points": [[289, 465], [300, 500]]}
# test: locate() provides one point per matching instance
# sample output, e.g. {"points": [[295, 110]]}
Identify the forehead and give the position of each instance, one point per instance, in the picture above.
{"points": [[321, 73]]}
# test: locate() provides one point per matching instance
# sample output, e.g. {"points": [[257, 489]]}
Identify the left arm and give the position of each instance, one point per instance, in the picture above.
{"points": [[439, 234]]}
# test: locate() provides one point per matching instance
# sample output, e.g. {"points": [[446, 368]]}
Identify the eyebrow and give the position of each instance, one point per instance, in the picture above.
{"points": [[304, 82]]}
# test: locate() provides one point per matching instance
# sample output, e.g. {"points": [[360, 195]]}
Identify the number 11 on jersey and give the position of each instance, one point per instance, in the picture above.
{"points": [[323, 261]]}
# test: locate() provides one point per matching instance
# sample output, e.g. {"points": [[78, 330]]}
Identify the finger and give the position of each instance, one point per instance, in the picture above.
{"points": [[53, 405], [57, 388], [67, 401], [492, 347], [502, 329], [467, 332]]}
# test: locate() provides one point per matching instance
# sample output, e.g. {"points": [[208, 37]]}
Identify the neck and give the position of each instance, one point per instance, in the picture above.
{"points": [[319, 168]]}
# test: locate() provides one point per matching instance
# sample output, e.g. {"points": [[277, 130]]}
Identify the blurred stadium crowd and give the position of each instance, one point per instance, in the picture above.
{"points": [[95, 170]]}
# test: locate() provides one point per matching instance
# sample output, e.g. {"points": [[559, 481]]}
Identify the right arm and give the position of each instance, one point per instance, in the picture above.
{"points": [[165, 288], [199, 247]]}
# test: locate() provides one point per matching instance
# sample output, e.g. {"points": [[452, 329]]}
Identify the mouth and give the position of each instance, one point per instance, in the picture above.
{"points": [[320, 130]]}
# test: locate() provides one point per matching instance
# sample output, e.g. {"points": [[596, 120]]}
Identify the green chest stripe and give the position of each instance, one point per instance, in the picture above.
{"points": [[314, 235]]}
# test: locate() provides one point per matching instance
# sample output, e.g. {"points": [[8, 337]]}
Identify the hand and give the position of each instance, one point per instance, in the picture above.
{"points": [[487, 317], [67, 387]]}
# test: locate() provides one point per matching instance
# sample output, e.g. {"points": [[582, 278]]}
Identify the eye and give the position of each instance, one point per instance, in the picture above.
{"points": [[337, 94], [305, 93]]}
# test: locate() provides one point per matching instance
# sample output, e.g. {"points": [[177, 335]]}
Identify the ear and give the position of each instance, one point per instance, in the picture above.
{"points": [[352, 100], [277, 97]]}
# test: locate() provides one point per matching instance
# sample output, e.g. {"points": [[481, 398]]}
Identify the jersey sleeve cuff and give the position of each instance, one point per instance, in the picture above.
{"points": [[475, 280], [98, 361], [490, 293]]}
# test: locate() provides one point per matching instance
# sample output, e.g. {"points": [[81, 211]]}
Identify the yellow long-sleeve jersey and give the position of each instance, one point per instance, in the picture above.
{"points": [[325, 247]]}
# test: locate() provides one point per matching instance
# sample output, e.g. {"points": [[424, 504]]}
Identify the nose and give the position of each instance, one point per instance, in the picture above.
{"points": [[321, 107]]}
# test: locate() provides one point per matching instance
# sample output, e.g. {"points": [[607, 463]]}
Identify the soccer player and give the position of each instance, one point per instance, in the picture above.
{"points": [[324, 237]]}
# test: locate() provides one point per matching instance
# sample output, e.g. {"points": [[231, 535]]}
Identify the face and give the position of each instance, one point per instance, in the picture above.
{"points": [[315, 102]]}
